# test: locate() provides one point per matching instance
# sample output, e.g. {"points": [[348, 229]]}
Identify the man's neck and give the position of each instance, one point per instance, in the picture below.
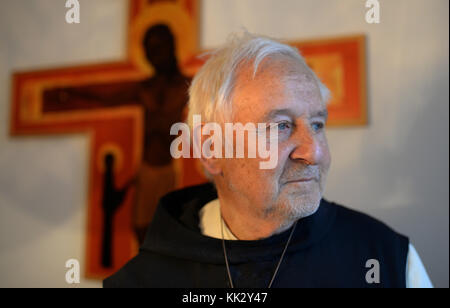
{"points": [[246, 225]]}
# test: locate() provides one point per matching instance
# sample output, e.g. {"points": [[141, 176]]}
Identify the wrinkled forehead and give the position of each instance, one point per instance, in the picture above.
{"points": [[278, 83], [271, 66]]}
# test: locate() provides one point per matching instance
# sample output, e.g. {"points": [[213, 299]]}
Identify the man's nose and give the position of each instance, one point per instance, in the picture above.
{"points": [[306, 148]]}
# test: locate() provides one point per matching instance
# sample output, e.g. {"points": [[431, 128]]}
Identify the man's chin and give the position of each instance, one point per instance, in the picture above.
{"points": [[303, 206]]}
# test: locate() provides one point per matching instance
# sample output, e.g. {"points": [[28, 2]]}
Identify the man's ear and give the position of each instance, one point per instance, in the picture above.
{"points": [[207, 143]]}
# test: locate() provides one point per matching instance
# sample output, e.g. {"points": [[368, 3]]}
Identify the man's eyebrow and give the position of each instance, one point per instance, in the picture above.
{"points": [[276, 112], [321, 113], [288, 112]]}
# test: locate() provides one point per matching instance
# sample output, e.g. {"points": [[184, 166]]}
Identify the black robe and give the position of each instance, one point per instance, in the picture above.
{"points": [[328, 249]]}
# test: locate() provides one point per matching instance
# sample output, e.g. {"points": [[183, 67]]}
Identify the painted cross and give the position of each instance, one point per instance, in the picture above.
{"points": [[123, 107], [126, 108]]}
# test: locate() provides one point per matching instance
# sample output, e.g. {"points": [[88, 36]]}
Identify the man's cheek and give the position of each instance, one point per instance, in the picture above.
{"points": [[325, 157], [325, 163], [244, 170], [284, 151]]}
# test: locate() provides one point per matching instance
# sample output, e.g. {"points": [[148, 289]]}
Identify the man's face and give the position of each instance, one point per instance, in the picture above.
{"points": [[285, 93]]}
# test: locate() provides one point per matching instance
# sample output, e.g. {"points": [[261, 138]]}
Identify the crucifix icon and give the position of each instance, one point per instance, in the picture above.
{"points": [[126, 108], [162, 98]]}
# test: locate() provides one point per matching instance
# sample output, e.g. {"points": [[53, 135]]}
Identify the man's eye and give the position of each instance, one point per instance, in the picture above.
{"points": [[283, 126], [317, 126]]}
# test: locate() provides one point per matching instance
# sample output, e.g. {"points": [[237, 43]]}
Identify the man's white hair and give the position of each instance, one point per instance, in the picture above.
{"points": [[210, 93]]}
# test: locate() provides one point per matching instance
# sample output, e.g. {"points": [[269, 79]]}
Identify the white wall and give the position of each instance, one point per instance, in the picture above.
{"points": [[395, 169]]}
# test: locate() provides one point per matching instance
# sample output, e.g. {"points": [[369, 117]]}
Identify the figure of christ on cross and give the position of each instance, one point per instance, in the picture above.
{"points": [[163, 97]]}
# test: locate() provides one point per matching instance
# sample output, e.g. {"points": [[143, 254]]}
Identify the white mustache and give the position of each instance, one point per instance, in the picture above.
{"points": [[298, 176]]}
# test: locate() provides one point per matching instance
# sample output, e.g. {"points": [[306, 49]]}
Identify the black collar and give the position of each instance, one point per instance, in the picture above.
{"points": [[175, 231]]}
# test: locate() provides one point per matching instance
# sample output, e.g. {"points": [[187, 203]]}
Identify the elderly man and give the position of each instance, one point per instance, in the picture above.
{"points": [[266, 227]]}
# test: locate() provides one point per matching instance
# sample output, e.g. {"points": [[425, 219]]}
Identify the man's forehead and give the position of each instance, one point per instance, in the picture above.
{"points": [[274, 75], [277, 89], [272, 67]]}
